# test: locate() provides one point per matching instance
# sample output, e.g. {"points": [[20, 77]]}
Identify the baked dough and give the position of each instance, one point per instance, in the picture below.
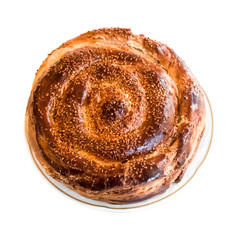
{"points": [[114, 116]]}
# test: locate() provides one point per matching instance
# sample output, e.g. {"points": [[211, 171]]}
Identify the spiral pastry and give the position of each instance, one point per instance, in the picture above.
{"points": [[114, 116]]}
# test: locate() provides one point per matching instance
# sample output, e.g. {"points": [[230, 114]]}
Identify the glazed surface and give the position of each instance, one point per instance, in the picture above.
{"points": [[114, 116]]}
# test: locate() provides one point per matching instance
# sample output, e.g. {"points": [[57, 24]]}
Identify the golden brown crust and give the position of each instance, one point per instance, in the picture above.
{"points": [[115, 116]]}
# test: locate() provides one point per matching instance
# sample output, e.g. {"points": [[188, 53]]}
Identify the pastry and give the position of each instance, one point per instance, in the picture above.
{"points": [[114, 116]]}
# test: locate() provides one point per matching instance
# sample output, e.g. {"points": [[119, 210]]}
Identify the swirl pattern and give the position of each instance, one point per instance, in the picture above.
{"points": [[114, 116]]}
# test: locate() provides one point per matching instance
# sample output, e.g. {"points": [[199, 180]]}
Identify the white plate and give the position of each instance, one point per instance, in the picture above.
{"points": [[191, 170]]}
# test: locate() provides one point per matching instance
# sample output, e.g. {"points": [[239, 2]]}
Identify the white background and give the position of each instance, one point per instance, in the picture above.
{"points": [[206, 35]]}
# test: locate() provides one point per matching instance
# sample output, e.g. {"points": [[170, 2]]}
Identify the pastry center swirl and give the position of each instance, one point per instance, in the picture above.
{"points": [[109, 103], [113, 110]]}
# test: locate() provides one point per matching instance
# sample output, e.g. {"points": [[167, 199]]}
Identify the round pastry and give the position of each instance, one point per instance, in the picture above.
{"points": [[114, 116]]}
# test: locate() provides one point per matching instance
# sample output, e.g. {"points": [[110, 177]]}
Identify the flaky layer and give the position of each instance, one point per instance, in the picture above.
{"points": [[115, 116]]}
